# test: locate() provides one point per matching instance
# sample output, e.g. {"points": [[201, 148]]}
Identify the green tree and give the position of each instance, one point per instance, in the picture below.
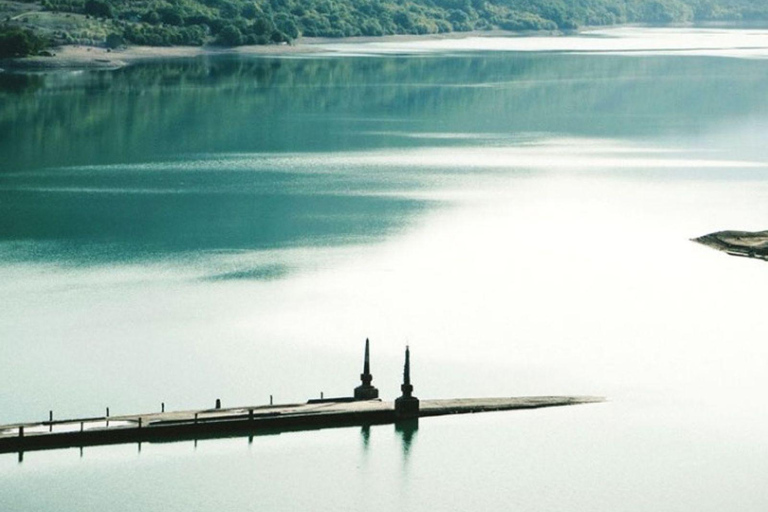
{"points": [[171, 16], [114, 40], [287, 25], [18, 42], [230, 36], [98, 8]]}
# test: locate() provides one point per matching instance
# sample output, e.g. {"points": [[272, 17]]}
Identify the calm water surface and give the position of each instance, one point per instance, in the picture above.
{"points": [[235, 228]]}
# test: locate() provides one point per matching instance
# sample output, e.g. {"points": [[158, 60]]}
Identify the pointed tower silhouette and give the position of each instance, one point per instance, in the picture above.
{"points": [[407, 406], [365, 391]]}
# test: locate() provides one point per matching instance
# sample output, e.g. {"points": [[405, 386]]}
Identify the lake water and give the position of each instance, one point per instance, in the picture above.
{"points": [[517, 210]]}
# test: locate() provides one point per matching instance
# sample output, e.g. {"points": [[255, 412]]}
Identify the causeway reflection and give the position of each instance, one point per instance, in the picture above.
{"points": [[405, 430]]}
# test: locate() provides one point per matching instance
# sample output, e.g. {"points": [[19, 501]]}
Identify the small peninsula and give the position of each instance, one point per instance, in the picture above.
{"points": [[749, 244]]}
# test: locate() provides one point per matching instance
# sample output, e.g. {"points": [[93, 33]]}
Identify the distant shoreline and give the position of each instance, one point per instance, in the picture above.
{"points": [[81, 57], [74, 57], [78, 57]]}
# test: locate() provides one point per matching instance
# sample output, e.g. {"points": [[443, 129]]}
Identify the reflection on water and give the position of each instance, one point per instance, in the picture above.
{"points": [[17, 83], [261, 272], [102, 227], [157, 112], [365, 435], [406, 430], [183, 158]]}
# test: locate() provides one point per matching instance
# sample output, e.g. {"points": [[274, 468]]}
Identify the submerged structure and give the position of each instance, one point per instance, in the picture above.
{"points": [[364, 408]]}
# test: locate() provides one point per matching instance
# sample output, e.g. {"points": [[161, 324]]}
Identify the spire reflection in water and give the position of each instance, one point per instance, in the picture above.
{"points": [[407, 429], [365, 433]]}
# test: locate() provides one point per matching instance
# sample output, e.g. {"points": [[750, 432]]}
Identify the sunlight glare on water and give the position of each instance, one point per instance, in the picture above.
{"points": [[713, 42]]}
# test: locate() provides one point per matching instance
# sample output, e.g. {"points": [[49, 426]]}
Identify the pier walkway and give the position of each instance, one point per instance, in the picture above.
{"points": [[211, 423]]}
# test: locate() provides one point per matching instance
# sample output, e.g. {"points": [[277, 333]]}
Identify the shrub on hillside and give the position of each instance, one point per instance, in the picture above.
{"points": [[18, 42], [98, 9]]}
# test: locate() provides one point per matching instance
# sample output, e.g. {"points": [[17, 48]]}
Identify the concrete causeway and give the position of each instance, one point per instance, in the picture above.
{"points": [[363, 408], [244, 421]]}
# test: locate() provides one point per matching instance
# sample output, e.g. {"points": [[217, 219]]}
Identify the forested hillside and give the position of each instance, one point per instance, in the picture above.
{"points": [[240, 22]]}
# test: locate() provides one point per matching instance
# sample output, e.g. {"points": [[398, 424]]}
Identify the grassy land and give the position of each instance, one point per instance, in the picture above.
{"points": [[27, 27], [63, 28]]}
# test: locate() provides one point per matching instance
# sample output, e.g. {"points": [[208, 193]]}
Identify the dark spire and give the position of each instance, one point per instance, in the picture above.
{"points": [[407, 406], [407, 371], [367, 363], [366, 376], [365, 391]]}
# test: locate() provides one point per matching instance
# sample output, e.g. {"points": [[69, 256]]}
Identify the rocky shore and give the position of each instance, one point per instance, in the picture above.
{"points": [[747, 244]]}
